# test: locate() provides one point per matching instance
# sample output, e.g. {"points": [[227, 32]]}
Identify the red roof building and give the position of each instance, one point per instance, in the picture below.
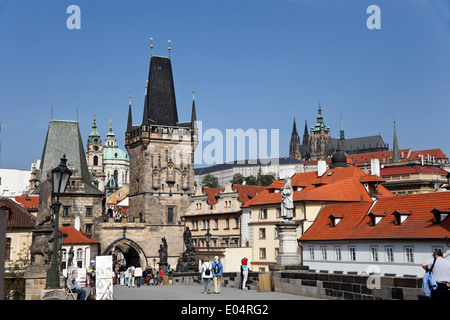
{"points": [[394, 234]]}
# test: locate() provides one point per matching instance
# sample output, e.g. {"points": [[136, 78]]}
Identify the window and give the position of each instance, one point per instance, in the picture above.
{"points": [[169, 215], [311, 253], [262, 253], [278, 212], [88, 211], [95, 161], [374, 254], [8, 249], [227, 223], [375, 218], [400, 216], [89, 228], [337, 253], [323, 250], [277, 251], [66, 211], [409, 254], [236, 223], [352, 252], [335, 219], [389, 254], [63, 254], [263, 214], [79, 254], [262, 233], [440, 214], [216, 224]]}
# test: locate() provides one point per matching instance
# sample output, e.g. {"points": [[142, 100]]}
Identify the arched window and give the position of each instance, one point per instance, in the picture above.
{"points": [[95, 160]]}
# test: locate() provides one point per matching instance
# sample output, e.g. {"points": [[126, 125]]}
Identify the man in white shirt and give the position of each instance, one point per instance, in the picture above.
{"points": [[441, 273]]}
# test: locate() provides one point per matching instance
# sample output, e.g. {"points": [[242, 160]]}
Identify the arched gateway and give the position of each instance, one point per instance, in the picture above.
{"points": [[132, 253]]}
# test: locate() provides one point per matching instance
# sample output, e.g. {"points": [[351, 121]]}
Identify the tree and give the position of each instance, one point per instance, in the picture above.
{"points": [[237, 179], [210, 181]]}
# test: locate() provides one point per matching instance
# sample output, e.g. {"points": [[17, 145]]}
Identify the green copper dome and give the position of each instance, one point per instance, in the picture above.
{"points": [[110, 149]]}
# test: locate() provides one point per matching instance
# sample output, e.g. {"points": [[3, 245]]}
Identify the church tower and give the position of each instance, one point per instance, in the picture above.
{"points": [[294, 147], [94, 156], [161, 154], [320, 135]]}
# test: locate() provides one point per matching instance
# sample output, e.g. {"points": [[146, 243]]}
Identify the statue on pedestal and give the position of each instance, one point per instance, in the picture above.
{"points": [[287, 203], [187, 262]]}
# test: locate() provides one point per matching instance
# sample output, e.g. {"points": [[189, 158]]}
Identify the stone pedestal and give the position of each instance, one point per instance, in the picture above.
{"points": [[287, 233], [34, 284]]}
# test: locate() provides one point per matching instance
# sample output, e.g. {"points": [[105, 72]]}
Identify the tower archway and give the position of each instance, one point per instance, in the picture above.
{"points": [[131, 253]]}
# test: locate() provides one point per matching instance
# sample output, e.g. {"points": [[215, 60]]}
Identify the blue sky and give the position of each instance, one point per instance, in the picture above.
{"points": [[254, 64]]}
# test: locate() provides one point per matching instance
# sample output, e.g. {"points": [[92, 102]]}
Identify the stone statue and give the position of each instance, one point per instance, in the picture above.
{"points": [[45, 213], [163, 252], [287, 203], [41, 248], [187, 262]]}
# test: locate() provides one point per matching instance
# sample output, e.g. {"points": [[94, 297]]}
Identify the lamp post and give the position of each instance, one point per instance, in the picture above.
{"points": [[207, 239], [60, 177]]}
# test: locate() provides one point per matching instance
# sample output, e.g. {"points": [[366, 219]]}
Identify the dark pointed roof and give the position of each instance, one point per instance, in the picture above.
{"points": [[130, 120], [160, 105], [395, 148], [64, 138], [193, 114]]}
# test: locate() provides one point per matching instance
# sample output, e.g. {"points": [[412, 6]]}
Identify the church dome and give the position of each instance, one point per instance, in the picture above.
{"points": [[114, 153], [339, 159]]}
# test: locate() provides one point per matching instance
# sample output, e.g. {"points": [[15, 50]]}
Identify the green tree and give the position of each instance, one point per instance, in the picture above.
{"points": [[237, 179], [210, 181]]}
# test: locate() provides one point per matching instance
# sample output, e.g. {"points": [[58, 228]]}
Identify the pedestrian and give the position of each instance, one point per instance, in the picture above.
{"points": [[122, 277], [132, 276], [160, 276], [138, 276], [206, 275], [441, 273], [72, 284], [244, 273], [127, 276], [217, 269]]}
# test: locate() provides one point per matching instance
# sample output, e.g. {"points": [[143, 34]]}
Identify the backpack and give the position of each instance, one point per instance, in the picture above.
{"points": [[207, 270], [216, 268]]}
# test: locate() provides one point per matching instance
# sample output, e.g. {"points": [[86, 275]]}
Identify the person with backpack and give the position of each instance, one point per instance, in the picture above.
{"points": [[217, 269], [206, 275]]}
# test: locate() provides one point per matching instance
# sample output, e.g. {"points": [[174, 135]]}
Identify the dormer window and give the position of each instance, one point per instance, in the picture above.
{"points": [[440, 214], [400, 216], [335, 219], [375, 218]]}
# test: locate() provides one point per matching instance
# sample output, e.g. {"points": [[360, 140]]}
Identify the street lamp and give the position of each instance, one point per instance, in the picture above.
{"points": [[60, 177], [207, 239]]}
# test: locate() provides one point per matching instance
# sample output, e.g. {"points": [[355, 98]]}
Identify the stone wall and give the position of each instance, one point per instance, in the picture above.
{"points": [[324, 285]]}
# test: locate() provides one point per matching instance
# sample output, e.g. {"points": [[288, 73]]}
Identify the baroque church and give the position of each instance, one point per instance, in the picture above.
{"points": [[108, 164], [317, 144]]}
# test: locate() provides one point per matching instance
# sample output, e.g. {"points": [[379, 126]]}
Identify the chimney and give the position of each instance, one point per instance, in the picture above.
{"points": [[321, 167], [375, 167]]}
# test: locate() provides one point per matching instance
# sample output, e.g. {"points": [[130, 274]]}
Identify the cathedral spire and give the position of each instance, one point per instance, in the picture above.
{"points": [[294, 147], [395, 148], [341, 133]]}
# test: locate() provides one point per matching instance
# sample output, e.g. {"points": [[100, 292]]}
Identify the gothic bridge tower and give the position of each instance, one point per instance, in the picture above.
{"points": [[161, 154]]}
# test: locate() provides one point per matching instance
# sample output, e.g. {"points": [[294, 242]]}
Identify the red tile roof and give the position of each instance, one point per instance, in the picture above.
{"points": [[28, 201], [73, 236], [405, 154], [411, 169], [337, 184], [18, 216], [356, 223]]}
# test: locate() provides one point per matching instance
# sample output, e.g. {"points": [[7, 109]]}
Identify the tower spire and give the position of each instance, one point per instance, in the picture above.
{"points": [[130, 121], [395, 148], [193, 114]]}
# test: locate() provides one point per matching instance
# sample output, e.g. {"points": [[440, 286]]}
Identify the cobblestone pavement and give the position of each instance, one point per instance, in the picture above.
{"points": [[195, 292]]}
